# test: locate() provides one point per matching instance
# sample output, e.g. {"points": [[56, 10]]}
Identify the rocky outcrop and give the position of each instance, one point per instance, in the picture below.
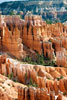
{"points": [[38, 94], [10, 39], [41, 82], [34, 33], [8, 89], [54, 79]]}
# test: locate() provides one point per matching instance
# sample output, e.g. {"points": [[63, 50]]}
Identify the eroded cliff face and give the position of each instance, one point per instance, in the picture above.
{"points": [[41, 82], [10, 40], [34, 33], [50, 40], [10, 90]]}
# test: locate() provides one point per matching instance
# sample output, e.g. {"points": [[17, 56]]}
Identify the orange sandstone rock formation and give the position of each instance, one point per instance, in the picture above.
{"points": [[46, 39], [49, 83]]}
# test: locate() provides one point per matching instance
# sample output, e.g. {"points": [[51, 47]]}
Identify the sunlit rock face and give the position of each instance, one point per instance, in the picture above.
{"points": [[47, 39], [10, 36], [40, 82], [9, 89]]}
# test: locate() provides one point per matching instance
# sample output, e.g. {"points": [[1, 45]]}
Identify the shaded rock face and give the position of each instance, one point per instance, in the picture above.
{"points": [[44, 82], [46, 39]]}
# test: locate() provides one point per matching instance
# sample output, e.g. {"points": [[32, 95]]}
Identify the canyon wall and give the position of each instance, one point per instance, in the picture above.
{"points": [[10, 40], [9, 91], [40, 82], [33, 32]]}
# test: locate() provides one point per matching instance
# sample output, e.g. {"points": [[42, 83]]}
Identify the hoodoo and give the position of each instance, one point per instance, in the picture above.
{"points": [[32, 38]]}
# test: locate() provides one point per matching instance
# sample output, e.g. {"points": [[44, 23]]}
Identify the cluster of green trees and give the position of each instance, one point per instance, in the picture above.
{"points": [[41, 60]]}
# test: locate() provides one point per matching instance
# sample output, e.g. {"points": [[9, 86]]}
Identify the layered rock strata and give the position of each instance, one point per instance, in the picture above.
{"points": [[10, 90], [46, 39], [50, 79]]}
